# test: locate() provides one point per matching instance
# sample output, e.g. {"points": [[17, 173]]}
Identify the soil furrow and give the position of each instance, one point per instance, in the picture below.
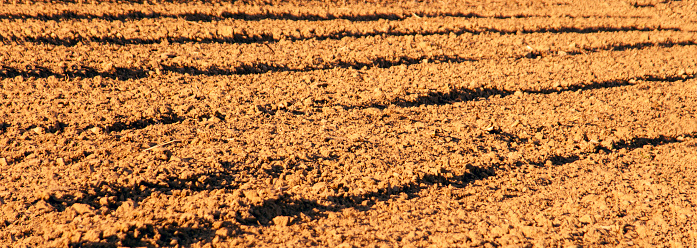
{"points": [[221, 15], [266, 37], [107, 69], [466, 94], [348, 124]]}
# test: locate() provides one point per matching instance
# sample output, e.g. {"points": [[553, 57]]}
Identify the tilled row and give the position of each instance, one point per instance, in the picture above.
{"points": [[275, 170], [70, 33], [311, 12], [134, 104], [141, 61]]}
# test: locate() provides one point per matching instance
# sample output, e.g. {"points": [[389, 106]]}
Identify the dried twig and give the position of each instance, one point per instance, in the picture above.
{"points": [[272, 51]]}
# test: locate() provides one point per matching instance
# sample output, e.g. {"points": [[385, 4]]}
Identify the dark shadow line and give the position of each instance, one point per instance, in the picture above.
{"points": [[267, 37], [239, 15], [251, 68], [466, 94], [639, 142], [4, 126], [122, 73], [628, 144], [162, 233], [83, 72], [204, 17], [119, 126], [641, 45], [264, 213], [643, 5]]}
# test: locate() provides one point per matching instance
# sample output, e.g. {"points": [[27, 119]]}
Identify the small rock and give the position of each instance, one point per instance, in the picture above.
{"points": [[515, 123], [126, 206], [530, 231], [344, 245], [107, 200], [499, 231], [227, 31], [475, 237], [3, 162], [543, 221], [587, 219], [378, 93], [60, 162], [223, 232], [39, 130], [96, 130], [643, 231], [518, 93], [282, 220], [580, 136], [168, 55], [252, 195], [318, 187], [83, 208], [44, 207], [373, 111], [258, 109], [593, 236], [108, 67], [92, 236], [162, 153]]}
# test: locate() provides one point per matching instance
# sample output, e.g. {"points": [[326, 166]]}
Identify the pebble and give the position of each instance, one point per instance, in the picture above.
{"points": [[96, 130], [39, 130], [223, 232], [60, 162], [282, 220], [587, 219], [344, 245], [83, 208], [319, 187]]}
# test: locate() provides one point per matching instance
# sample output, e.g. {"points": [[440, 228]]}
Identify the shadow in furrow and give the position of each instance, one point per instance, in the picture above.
{"points": [[265, 212], [185, 232], [251, 68], [122, 73], [208, 17], [143, 123], [285, 206], [268, 37], [466, 94]]}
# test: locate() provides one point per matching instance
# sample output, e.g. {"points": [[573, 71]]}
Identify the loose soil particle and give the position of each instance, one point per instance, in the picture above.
{"points": [[350, 124]]}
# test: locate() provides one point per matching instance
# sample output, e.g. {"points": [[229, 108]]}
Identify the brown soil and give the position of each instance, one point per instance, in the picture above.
{"points": [[356, 124]]}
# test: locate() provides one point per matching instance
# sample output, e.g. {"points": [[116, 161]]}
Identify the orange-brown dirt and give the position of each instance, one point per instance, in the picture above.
{"points": [[348, 124]]}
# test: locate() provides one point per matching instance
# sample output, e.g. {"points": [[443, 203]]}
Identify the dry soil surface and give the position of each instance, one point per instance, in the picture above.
{"points": [[348, 124]]}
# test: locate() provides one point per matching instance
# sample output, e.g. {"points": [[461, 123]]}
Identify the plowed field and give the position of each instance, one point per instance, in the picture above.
{"points": [[348, 124]]}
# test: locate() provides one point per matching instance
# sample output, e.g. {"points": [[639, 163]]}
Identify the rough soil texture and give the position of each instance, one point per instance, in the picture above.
{"points": [[350, 124]]}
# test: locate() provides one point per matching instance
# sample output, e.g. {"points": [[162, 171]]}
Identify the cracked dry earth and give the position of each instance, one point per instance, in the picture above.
{"points": [[354, 124]]}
